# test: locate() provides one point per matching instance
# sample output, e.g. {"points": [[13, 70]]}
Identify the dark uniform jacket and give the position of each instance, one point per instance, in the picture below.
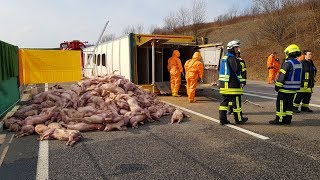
{"points": [[309, 72]]}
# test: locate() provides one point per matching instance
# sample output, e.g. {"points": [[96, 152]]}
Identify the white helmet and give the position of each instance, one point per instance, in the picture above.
{"points": [[232, 44]]}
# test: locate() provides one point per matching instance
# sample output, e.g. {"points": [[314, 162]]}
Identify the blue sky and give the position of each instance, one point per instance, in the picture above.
{"points": [[46, 23]]}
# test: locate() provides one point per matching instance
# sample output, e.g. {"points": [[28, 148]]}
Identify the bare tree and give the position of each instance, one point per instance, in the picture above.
{"points": [[139, 29], [129, 29], [183, 17], [171, 22], [108, 37], [198, 15]]}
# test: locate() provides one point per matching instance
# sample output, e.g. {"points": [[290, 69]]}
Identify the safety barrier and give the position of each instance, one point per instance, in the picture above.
{"points": [[9, 89]]}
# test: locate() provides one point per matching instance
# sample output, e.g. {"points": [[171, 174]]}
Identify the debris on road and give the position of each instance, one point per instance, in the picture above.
{"points": [[102, 103], [250, 102]]}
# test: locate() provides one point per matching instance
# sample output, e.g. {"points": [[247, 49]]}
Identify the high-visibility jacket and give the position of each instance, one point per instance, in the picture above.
{"points": [[309, 72], [289, 79], [243, 70], [230, 75]]}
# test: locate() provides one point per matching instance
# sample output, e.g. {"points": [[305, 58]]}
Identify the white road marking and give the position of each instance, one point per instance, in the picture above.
{"points": [[11, 139], [2, 138], [46, 87], [266, 97], [43, 157], [217, 121], [5, 150], [43, 161], [3, 155]]}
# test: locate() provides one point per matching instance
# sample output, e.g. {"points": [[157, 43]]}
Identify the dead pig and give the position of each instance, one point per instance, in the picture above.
{"points": [[178, 115]]}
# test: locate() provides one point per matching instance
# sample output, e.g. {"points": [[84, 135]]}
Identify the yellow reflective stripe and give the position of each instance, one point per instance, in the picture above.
{"points": [[286, 91], [281, 111], [244, 69], [306, 75], [305, 105], [230, 103], [223, 108], [234, 91], [289, 113], [226, 85], [296, 105], [279, 84], [305, 84], [238, 109], [280, 114], [305, 90], [283, 71]]}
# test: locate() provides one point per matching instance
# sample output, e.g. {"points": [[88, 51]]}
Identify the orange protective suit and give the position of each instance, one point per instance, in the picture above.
{"points": [[271, 68], [175, 69], [276, 68], [194, 70], [302, 57]]}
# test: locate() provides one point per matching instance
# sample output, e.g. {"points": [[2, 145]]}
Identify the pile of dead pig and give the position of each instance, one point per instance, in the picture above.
{"points": [[102, 103]]}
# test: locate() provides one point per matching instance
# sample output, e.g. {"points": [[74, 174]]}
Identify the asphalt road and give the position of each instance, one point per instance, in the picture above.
{"points": [[198, 148]]}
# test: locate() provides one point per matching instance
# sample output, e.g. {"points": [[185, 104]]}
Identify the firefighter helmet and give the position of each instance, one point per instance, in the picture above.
{"points": [[292, 48], [232, 44]]}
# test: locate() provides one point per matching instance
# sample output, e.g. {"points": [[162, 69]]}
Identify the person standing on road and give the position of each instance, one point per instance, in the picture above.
{"points": [[231, 83], [194, 70], [309, 72], [277, 66], [287, 84], [175, 69], [244, 77], [271, 67]]}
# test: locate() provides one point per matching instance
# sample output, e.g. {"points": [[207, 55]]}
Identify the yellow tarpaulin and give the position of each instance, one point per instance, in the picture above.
{"points": [[49, 66]]}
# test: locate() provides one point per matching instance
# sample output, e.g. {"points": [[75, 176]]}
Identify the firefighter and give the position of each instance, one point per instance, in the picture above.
{"points": [[271, 68], [243, 74], [287, 84], [175, 69], [231, 83], [309, 72], [194, 70]]}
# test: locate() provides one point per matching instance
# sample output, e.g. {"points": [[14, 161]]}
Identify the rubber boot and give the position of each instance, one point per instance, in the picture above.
{"points": [[296, 110], [223, 117], [276, 121]]}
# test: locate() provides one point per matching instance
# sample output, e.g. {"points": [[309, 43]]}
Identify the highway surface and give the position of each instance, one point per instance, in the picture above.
{"points": [[198, 148]]}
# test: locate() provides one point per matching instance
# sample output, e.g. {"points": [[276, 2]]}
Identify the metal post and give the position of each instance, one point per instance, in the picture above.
{"points": [[153, 65], [95, 47]]}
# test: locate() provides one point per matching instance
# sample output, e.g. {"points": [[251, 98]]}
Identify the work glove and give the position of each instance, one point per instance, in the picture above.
{"points": [[242, 85], [201, 80]]}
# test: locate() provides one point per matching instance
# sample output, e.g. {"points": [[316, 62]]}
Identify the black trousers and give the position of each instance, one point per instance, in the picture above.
{"points": [[236, 105], [284, 107], [303, 97]]}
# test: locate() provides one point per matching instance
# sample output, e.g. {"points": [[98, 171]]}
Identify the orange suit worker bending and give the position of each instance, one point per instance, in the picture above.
{"points": [[175, 69], [271, 67], [194, 70]]}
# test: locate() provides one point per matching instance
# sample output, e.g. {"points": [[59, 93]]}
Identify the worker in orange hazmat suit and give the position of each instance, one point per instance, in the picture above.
{"points": [[175, 69], [271, 68], [277, 66], [194, 70]]}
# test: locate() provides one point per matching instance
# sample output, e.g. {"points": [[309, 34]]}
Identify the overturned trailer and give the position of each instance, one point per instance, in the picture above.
{"points": [[142, 58]]}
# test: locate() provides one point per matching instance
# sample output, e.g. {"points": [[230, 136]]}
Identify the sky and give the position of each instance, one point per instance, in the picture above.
{"points": [[47, 23]]}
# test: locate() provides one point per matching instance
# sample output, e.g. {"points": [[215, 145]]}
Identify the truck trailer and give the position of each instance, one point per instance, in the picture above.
{"points": [[143, 58]]}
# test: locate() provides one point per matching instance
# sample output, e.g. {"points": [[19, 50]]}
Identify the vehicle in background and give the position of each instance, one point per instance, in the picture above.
{"points": [[143, 58]]}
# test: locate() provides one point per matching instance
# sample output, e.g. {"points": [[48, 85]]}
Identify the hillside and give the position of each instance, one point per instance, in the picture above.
{"points": [[256, 48]]}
